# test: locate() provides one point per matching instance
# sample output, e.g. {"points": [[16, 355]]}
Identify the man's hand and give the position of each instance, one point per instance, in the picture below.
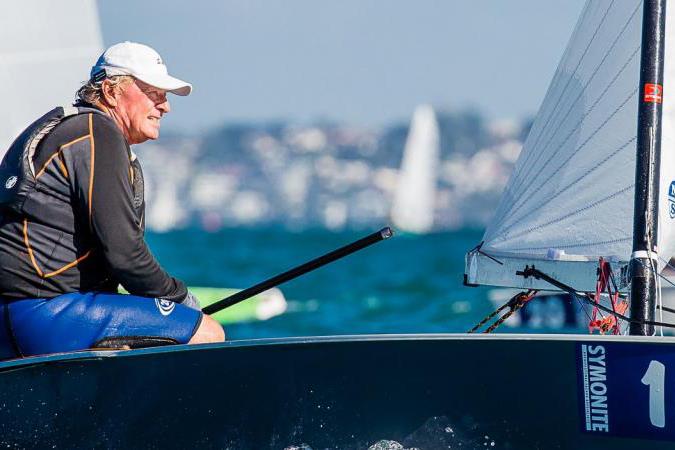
{"points": [[192, 301]]}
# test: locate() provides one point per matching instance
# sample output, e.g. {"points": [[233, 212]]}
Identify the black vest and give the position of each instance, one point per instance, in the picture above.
{"points": [[17, 172]]}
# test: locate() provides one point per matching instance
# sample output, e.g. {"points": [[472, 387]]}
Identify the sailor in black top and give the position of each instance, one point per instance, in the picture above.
{"points": [[72, 221]]}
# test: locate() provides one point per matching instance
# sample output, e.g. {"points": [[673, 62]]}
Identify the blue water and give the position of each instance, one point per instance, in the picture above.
{"points": [[407, 284]]}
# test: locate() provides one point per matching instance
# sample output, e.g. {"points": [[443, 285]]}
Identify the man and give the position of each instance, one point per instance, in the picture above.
{"points": [[72, 221]]}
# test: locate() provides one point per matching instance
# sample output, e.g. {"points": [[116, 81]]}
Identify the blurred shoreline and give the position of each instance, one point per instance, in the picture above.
{"points": [[322, 175]]}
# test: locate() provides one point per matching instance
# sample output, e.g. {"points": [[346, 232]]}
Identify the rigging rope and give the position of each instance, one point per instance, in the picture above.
{"points": [[606, 282], [514, 304], [531, 271]]}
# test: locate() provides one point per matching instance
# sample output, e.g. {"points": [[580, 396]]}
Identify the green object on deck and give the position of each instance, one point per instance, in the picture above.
{"points": [[259, 307], [242, 312]]}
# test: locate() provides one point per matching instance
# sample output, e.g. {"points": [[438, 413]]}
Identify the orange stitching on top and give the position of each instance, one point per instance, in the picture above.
{"points": [[30, 250], [32, 256], [44, 166], [93, 154], [74, 141], [69, 265], [62, 166]]}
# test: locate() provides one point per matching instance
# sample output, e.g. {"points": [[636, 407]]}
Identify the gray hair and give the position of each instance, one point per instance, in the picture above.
{"points": [[92, 91]]}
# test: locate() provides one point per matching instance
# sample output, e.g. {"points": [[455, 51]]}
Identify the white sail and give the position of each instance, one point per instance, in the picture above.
{"points": [[570, 198], [414, 201], [46, 51]]}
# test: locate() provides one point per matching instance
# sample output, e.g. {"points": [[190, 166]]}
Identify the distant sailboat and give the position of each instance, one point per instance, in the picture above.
{"points": [[46, 51], [413, 206]]}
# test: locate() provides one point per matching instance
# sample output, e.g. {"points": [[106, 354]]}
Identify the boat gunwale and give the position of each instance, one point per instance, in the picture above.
{"points": [[99, 354]]}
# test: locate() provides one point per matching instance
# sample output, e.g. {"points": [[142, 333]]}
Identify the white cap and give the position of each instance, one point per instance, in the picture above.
{"points": [[141, 62]]}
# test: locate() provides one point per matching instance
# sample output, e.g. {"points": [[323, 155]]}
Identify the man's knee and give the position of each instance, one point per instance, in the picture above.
{"points": [[209, 331]]}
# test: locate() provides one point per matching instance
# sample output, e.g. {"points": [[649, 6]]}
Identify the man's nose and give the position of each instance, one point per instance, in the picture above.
{"points": [[165, 107]]}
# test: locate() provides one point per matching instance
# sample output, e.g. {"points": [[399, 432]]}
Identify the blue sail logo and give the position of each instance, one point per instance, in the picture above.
{"points": [[671, 199]]}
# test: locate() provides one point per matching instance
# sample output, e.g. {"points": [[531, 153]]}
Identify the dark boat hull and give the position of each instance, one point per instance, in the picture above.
{"points": [[426, 391]]}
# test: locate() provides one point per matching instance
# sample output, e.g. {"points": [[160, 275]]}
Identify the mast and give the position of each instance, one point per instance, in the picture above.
{"points": [[645, 215]]}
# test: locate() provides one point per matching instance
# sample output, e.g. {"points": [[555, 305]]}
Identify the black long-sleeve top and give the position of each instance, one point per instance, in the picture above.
{"points": [[85, 228]]}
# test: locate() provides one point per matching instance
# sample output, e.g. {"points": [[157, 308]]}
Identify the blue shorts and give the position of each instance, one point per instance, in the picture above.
{"points": [[79, 321]]}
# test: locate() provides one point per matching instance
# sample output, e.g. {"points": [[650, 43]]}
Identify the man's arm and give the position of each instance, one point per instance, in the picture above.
{"points": [[106, 197]]}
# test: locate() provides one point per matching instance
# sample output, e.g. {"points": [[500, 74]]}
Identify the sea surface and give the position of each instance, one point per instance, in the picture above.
{"points": [[406, 284]]}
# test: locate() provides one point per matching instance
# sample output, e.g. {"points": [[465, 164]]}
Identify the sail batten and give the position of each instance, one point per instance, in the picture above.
{"points": [[575, 246]]}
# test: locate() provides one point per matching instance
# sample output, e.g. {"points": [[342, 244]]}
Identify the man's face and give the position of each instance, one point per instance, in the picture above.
{"points": [[139, 110]]}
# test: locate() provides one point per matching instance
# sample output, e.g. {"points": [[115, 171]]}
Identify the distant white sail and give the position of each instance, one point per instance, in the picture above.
{"points": [[414, 201], [46, 51], [570, 197]]}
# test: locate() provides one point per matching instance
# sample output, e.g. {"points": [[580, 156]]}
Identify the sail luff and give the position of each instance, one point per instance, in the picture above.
{"points": [[644, 259]]}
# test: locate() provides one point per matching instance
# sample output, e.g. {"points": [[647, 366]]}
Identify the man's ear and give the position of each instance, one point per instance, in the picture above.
{"points": [[110, 93]]}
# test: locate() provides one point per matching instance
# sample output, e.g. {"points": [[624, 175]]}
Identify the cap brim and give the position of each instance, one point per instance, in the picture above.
{"points": [[167, 83]]}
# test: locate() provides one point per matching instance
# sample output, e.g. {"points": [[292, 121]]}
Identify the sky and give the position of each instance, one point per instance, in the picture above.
{"points": [[359, 62]]}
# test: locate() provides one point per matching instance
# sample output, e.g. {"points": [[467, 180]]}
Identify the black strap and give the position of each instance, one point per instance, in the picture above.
{"points": [[117, 342]]}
